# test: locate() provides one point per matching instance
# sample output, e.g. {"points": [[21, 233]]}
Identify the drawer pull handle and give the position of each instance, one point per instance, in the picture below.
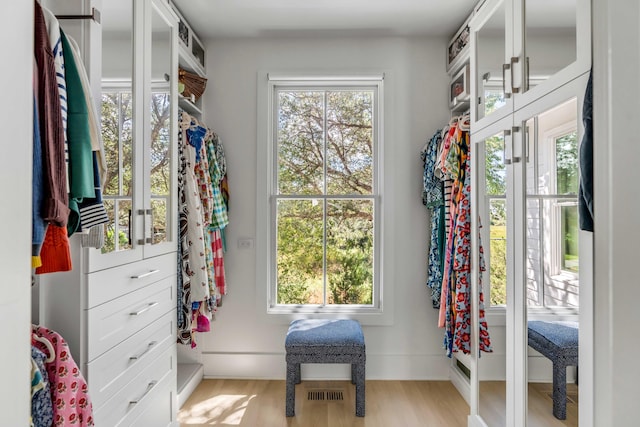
{"points": [[150, 387], [142, 310], [143, 275], [149, 347]]}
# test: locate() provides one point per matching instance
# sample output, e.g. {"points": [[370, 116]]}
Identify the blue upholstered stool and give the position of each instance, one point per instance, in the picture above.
{"points": [[325, 341], [558, 341]]}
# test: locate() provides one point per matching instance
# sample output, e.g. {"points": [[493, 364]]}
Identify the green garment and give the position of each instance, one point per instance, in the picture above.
{"points": [[79, 138]]}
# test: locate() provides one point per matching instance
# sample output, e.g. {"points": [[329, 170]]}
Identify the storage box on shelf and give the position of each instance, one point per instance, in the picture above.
{"points": [[460, 90]]}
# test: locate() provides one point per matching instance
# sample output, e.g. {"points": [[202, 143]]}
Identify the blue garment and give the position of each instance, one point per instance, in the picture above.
{"points": [[38, 224], [195, 136], [41, 404], [585, 192]]}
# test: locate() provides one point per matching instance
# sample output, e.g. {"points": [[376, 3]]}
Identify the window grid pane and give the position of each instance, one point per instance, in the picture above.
{"points": [[324, 167]]}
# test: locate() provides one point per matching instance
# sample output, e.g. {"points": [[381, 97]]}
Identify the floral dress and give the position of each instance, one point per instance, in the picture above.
{"points": [[461, 326]]}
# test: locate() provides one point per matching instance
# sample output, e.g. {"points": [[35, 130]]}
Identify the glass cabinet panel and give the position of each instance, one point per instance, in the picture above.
{"points": [[117, 125], [159, 211], [490, 72], [552, 208], [550, 38], [491, 202], [551, 246]]}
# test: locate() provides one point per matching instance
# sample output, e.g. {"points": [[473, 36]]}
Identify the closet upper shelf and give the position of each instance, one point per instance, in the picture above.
{"points": [[186, 104], [191, 53]]}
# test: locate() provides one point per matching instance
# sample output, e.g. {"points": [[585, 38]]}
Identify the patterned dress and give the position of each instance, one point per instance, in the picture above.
{"points": [[457, 276], [69, 392], [433, 199]]}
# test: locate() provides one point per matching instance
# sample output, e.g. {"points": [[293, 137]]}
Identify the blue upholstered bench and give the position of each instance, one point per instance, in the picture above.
{"points": [[325, 341], [558, 341]]}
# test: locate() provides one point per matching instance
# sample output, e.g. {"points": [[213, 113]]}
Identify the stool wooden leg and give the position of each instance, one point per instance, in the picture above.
{"points": [[291, 388], [360, 377], [559, 391]]}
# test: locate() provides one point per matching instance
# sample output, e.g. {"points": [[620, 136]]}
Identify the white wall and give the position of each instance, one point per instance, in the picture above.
{"points": [[616, 177], [15, 191], [241, 344]]}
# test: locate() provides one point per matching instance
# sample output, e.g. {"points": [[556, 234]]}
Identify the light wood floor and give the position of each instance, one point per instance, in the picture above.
{"points": [[492, 405], [260, 403]]}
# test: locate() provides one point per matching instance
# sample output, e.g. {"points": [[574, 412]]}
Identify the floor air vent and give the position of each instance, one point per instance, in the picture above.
{"points": [[325, 395]]}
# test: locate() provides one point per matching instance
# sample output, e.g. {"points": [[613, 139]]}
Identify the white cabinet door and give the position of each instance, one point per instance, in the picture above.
{"points": [[552, 44], [139, 116], [491, 72], [524, 196], [524, 49]]}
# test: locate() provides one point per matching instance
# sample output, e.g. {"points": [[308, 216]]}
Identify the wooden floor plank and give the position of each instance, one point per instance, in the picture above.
{"points": [[252, 403]]}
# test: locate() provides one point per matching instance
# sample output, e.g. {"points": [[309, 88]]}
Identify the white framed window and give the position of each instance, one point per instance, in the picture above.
{"points": [[322, 246]]}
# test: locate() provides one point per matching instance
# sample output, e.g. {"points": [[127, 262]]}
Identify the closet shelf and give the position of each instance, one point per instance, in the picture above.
{"points": [[188, 106]]}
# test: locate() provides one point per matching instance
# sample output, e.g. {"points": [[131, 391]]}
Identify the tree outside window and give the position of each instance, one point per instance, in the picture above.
{"points": [[325, 201]]}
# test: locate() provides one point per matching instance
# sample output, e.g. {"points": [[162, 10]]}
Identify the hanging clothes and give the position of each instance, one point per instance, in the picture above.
{"points": [[585, 191], [202, 215], [69, 393], [449, 162], [195, 286], [433, 199], [80, 151], [55, 206], [41, 404], [55, 40]]}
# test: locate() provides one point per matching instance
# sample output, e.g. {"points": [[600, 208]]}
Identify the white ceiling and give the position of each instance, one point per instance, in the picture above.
{"points": [[246, 18]]}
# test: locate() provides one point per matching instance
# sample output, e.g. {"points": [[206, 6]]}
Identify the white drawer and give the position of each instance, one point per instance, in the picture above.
{"points": [[114, 369], [139, 391], [159, 408], [114, 282], [110, 324]]}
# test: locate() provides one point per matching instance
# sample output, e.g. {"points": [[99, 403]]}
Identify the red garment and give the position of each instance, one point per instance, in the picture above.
{"points": [[218, 261], [71, 402], [55, 254], [56, 200]]}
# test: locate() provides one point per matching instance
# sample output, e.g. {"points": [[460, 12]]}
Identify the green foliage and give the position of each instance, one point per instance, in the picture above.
{"points": [[325, 147], [109, 240], [498, 267], [117, 135]]}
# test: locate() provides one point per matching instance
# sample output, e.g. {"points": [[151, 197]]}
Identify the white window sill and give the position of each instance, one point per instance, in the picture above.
{"points": [[497, 316], [365, 315]]}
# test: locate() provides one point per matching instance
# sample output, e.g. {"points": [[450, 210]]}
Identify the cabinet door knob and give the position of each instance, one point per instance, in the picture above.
{"points": [[505, 67], [514, 60]]}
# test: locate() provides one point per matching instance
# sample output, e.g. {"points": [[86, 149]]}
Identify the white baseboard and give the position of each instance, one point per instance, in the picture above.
{"points": [[461, 383], [379, 367], [189, 376], [475, 421], [273, 366]]}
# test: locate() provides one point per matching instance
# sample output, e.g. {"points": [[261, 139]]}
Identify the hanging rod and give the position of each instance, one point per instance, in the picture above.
{"points": [[95, 16]]}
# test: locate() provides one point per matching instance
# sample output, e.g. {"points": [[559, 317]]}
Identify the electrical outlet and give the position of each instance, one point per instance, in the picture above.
{"points": [[245, 243]]}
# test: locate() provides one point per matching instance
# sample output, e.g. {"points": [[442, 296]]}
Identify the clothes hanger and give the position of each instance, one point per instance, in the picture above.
{"points": [[52, 352], [464, 122]]}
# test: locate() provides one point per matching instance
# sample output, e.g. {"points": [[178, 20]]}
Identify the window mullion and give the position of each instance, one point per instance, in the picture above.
{"points": [[116, 207], [324, 204]]}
